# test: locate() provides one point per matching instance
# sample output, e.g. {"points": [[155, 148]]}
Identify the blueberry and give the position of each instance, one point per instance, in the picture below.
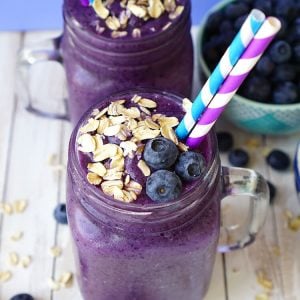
{"points": [[239, 22], [257, 88], [225, 141], [286, 9], [22, 297], [190, 166], [285, 93], [163, 186], [278, 160], [294, 33], [265, 66], [272, 190], [284, 72], [160, 153], [225, 26], [296, 52], [264, 5], [214, 20], [238, 157], [280, 52], [236, 9], [210, 50], [282, 33], [60, 214]]}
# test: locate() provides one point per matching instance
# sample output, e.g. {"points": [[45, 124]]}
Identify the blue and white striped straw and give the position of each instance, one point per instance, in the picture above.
{"points": [[227, 62]]}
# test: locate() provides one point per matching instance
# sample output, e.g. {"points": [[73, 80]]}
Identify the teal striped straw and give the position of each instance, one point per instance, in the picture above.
{"points": [[241, 41]]}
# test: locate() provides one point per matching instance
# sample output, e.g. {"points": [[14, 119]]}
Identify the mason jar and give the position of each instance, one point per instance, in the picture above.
{"points": [[97, 66], [155, 251]]}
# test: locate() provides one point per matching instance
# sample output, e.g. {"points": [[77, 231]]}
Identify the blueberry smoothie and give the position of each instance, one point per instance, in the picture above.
{"points": [[143, 209], [112, 46]]}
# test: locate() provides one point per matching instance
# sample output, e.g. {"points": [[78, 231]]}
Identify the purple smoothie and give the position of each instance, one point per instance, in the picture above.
{"points": [[142, 250], [98, 65]]}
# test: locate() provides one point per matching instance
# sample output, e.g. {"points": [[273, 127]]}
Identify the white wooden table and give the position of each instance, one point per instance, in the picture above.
{"points": [[27, 142]]}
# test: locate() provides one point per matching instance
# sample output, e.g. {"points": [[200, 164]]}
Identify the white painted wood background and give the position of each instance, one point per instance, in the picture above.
{"points": [[26, 143]]}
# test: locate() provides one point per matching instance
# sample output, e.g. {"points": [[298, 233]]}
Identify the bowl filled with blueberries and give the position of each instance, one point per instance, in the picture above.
{"points": [[268, 102]]}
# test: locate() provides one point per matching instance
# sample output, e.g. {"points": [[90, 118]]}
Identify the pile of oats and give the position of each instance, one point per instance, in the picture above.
{"points": [[142, 9], [132, 126]]}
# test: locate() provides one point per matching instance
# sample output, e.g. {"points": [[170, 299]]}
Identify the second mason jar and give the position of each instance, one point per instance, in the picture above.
{"points": [[98, 65]]}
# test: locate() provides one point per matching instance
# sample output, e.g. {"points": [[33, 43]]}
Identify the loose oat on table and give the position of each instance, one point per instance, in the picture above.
{"points": [[66, 280], [263, 280], [6, 208], [25, 261], [13, 259], [17, 236], [55, 251], [19, 206], [262, 296], [5, 276], [53, 285]]}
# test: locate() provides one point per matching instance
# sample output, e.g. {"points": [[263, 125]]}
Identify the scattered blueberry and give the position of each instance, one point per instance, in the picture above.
{"points": [[236, 9], [190, 165], [285, 72], [280, 52], [285, 93], [257, 88], [160, 153], [60, 214], [272, 190], [22, 297], [238, 157], [163, 186], [225, 141], [265, 66], [278, 160]]}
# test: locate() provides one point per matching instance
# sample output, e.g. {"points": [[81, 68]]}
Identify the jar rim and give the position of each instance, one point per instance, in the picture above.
{"points": [[133, 208]]}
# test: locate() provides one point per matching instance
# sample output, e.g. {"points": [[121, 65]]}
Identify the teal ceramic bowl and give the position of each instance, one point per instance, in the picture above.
{"points": [[250, 115]]}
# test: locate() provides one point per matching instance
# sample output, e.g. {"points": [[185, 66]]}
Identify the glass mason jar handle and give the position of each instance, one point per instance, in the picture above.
{"points": [[246, 182], [28, 57]]}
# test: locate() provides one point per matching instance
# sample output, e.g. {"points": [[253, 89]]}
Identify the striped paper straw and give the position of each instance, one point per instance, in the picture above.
{"points": [[236, 77], [229, 59]]}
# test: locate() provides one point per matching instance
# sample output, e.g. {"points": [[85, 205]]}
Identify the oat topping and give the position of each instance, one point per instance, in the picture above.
{"points": [[122, 130], [119, 21], [144, 168]]}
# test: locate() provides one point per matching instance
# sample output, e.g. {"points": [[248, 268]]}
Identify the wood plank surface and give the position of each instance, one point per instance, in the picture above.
{"points": [[26, 144]]}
